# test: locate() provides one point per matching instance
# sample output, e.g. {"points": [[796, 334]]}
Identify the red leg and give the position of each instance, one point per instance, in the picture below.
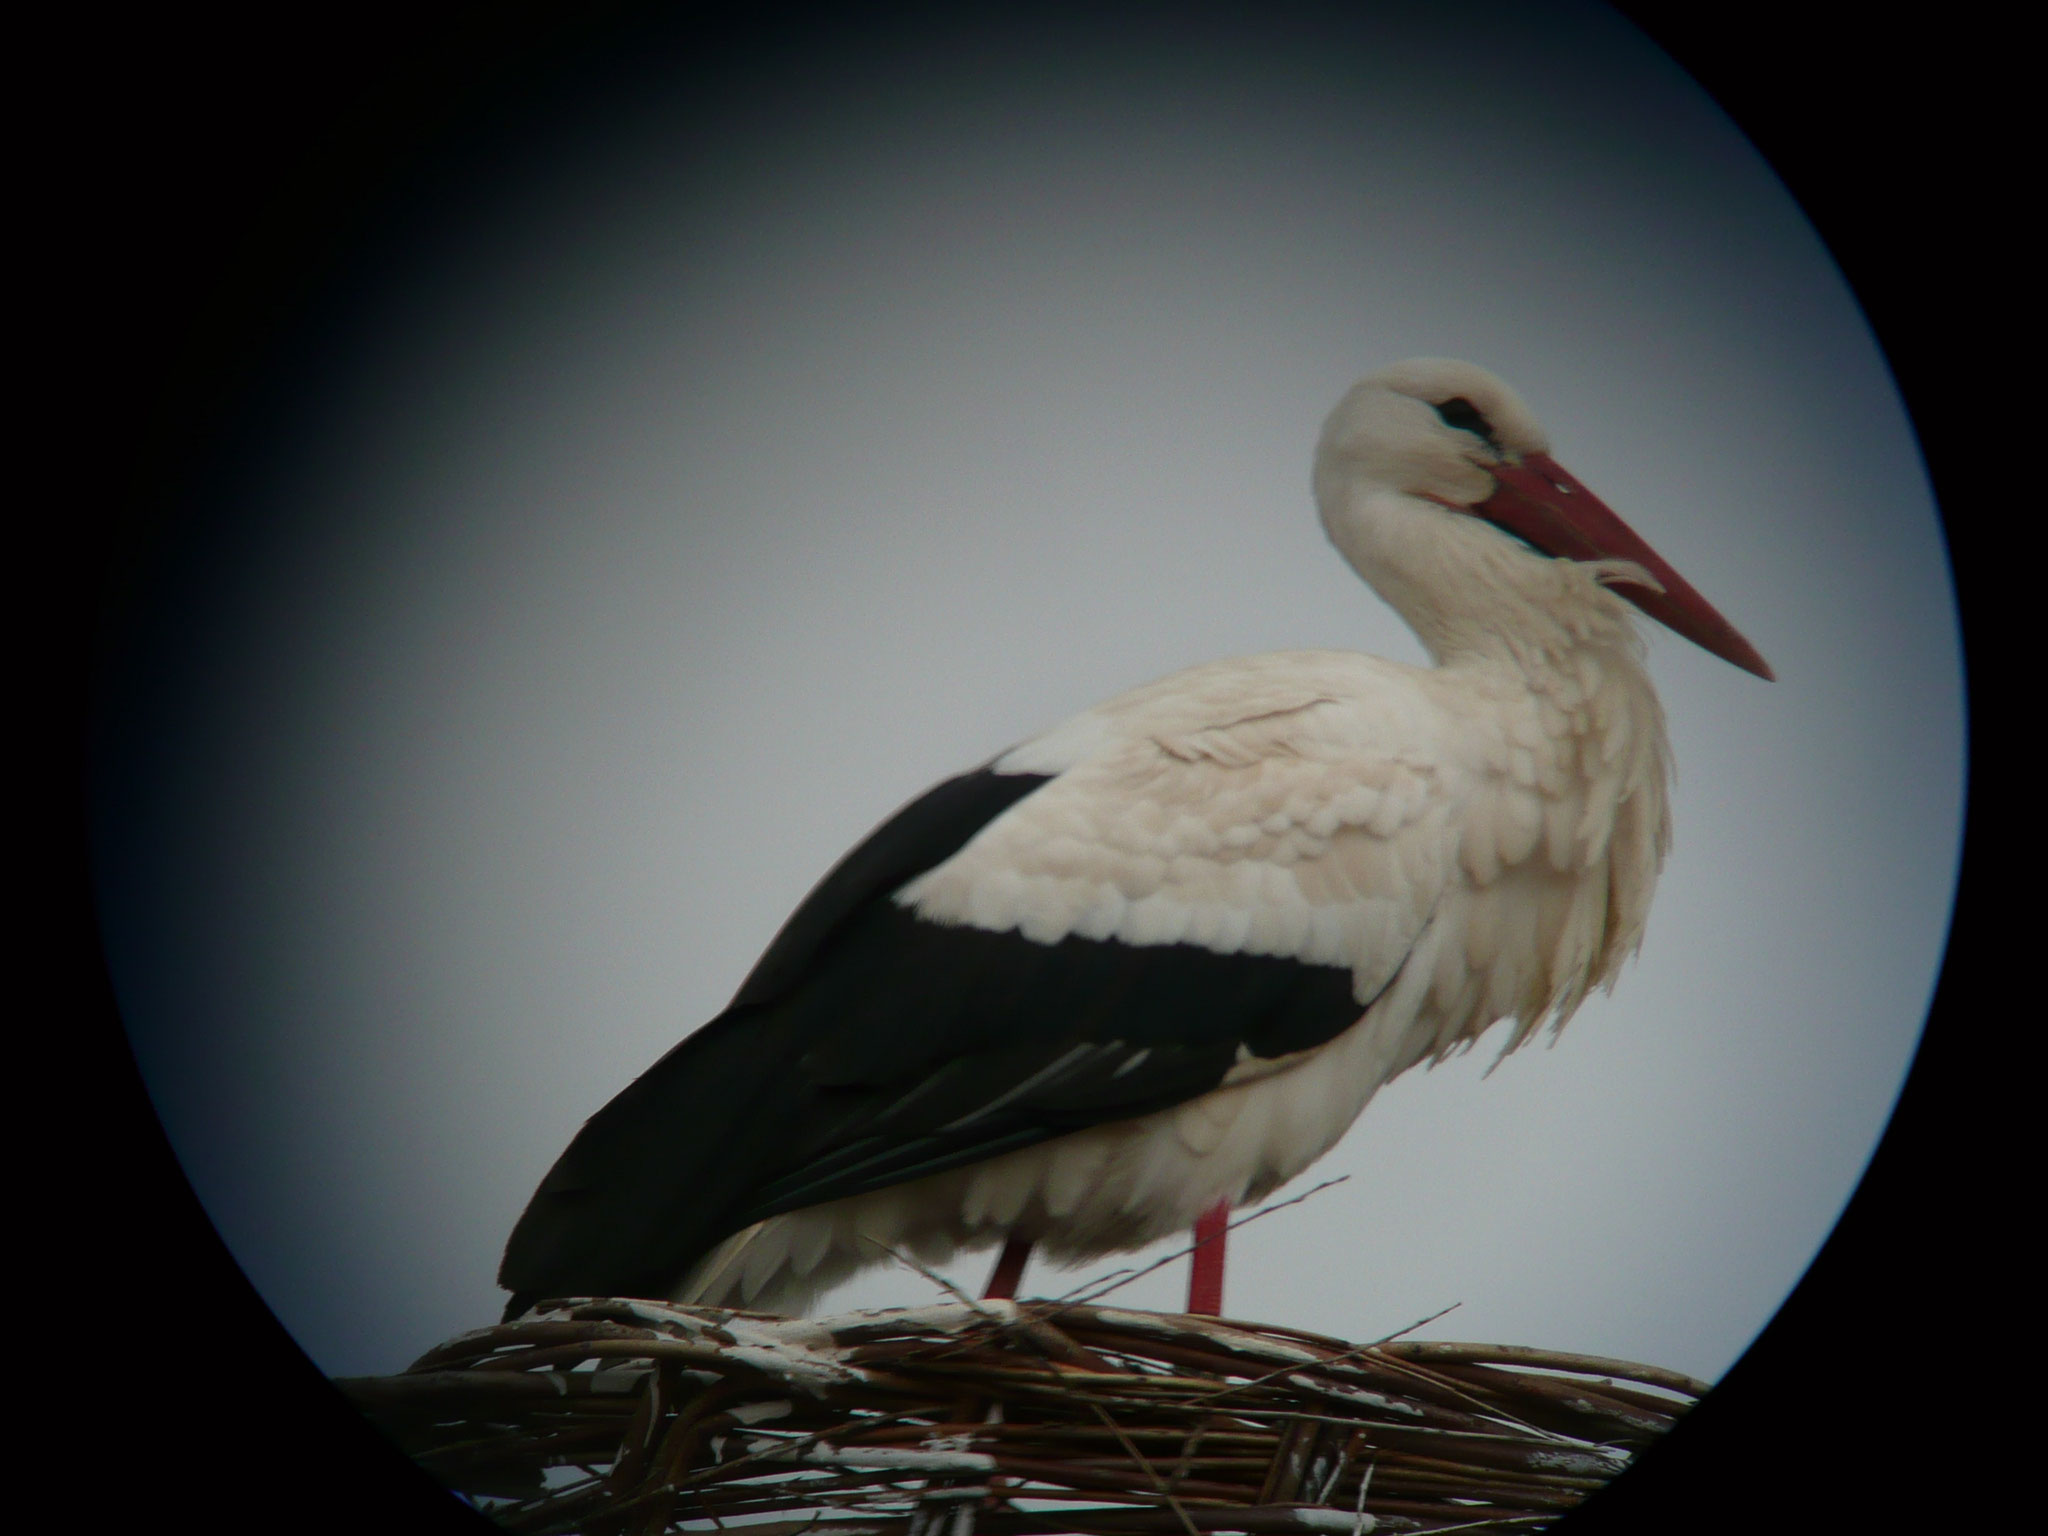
{"points": [[1205, 1266], [1009, 1271]]}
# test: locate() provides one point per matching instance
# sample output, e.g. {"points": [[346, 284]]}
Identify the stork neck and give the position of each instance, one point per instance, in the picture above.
{"points": [[1477, 596]]}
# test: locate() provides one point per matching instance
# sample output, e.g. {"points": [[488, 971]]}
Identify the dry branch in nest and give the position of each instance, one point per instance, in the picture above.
{"points": [[631, 1418]]}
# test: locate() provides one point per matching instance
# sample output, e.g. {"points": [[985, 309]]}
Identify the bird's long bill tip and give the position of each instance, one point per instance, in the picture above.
{"points": [[1540, 501]]}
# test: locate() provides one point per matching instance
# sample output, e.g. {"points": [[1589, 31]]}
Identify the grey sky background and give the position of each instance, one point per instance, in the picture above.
{"points": [[721, 473]]}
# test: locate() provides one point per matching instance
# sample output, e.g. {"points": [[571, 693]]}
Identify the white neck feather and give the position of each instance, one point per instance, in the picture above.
{"points": [[1473, 594]]}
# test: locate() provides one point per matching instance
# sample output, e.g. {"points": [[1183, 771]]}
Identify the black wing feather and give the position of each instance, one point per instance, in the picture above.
{"points": [[1058, 1037], [923, 834], [870, 1047]]}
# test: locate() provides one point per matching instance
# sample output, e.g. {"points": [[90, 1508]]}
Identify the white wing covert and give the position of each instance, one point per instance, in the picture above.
{"points": [[1296, 809]]}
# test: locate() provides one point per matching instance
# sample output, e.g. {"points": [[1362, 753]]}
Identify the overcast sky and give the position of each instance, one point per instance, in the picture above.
{"points": [[729, 464]]}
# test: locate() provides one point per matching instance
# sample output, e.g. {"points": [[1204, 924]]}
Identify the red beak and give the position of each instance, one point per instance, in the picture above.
{"points": [[1540, 502]]}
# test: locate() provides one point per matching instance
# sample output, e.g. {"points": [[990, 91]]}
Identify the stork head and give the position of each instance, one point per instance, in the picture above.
{"points": [[1450, 434]]}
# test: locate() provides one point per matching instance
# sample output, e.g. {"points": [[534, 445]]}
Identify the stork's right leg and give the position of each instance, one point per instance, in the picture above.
{"points": [[1009, 1271], [1205, 1266]]}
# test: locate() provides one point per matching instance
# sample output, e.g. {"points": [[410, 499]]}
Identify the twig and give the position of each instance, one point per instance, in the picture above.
{"points": [[1419, 1323], [1350, 1354], [1053, 1344], [1485, 1409], [941, 1281], [1090, 1292], [1145, 1466]]}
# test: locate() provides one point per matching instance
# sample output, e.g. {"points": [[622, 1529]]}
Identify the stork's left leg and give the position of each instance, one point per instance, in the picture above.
{"points": [[1205, 1265], [1009, 1271]]}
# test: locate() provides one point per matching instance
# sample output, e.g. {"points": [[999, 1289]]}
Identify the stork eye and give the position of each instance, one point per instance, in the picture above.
{"points": [[1464, 415]]}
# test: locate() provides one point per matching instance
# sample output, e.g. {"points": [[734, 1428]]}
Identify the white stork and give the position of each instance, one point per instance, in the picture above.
{"points": [[1152, 963]]}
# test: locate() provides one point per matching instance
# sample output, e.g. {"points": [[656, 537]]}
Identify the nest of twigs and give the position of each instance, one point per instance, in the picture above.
{"points": [[631, 1418]]}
